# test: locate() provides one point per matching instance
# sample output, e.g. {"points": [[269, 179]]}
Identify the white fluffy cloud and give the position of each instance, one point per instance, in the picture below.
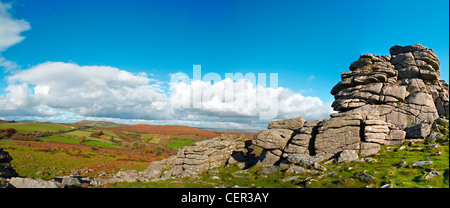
{"points": [[99, 91], [66, 92], [56, 90], [242, 101], [10, 30]]}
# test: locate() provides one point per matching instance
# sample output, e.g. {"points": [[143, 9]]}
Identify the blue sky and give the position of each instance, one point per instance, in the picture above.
{"points": [[308, 43]]}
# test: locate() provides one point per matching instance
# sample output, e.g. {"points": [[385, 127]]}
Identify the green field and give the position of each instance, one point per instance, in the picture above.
{"points": [[54, 160], [178, 143], [95, 142], [31, 127]]}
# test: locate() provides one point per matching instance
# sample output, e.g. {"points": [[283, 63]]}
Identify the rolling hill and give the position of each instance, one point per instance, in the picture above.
{"points": [[30, 127], [171, 130], [96, 123]]}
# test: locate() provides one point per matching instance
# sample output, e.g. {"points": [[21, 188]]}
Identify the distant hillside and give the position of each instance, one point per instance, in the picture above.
{"points": [[171, 130], [30, 127], [96, 123]]}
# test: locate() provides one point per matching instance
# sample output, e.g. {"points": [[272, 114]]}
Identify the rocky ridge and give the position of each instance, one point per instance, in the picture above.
{"points": [[382, 100]]}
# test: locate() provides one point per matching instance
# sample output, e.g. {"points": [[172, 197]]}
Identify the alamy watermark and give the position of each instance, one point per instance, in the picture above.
{"points": [[240, 91]]}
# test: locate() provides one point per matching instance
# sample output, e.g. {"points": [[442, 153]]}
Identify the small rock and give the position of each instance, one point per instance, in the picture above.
{"points": [[400, 165], [284, 164], [70, 181], [436, 153], [434, 135], [431, 175], [317, 166], [304, 159], [389, 185], [269, 170], [74, 173], [300, 170], [215, 171], [364, 176], [366, 160], [290, 178], [240, 174], [421, 163], [241, 165], [348, 156], [435, 145], [441, 120]]}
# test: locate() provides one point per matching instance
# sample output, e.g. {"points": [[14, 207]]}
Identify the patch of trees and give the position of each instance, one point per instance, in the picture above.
{"points": [[97, 134], [23, 137], [11, 133], [134, 142], [7, 133]]}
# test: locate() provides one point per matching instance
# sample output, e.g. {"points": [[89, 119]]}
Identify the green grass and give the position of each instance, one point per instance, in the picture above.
{"points": [[105, 144], [55, 161], [29, 161], [59, 139], [337, 175], [178, 143], [35, 126], [151, 138], [95, 142], [385, 170]]}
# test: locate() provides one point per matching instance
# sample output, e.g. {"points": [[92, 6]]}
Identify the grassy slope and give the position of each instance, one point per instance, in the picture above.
{"points": [[30, 127], [336, 176], [347, 175], [178, 143], [49, 159], [96, 123], [91, 142], [171, 130]]}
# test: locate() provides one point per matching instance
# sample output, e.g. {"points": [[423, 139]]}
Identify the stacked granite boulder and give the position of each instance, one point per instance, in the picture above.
{"points": [[381, 100], [199, 157], [405, 88]]}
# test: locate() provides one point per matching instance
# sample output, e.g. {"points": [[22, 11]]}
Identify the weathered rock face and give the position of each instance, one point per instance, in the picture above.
{"points": [[199, 157], [6, 170], [359, 131], [291, 124], [405, 88], [302, 142], [381, 100]]}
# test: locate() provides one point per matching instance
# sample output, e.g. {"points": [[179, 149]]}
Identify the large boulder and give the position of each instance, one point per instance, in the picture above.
{"points": [[420, 130], [272, 138], [17, 182], [291, 124], [302, 142], [348, 156], [273, 141], [405, 87], [339, 133], [195, 159]]}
